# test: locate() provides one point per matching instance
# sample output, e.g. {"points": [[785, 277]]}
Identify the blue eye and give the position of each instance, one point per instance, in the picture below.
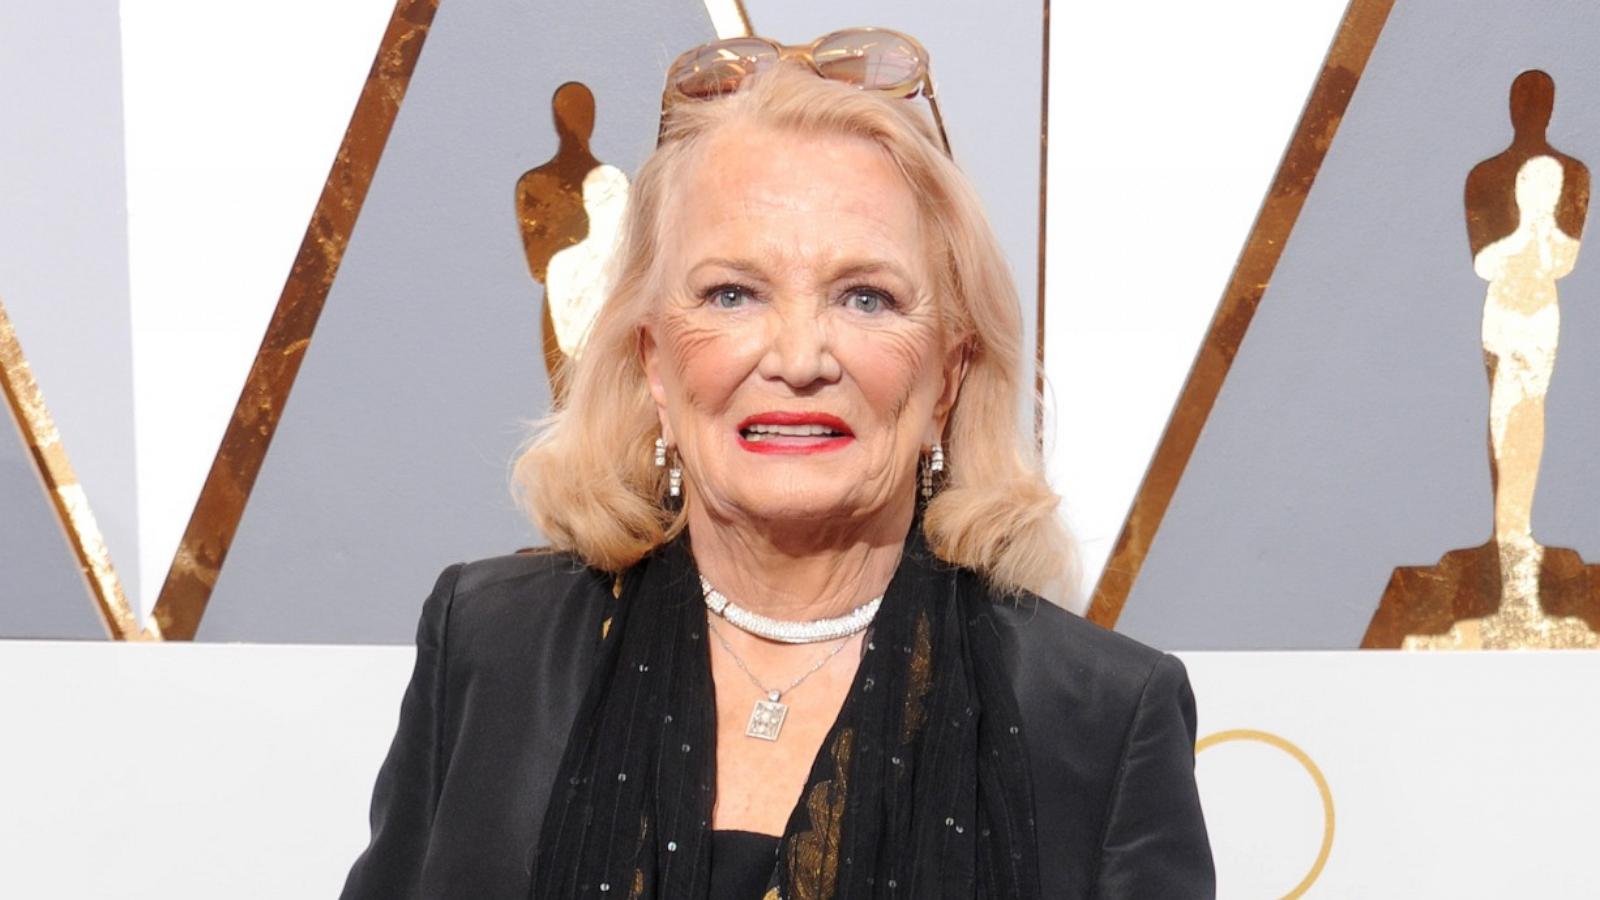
{"points": [[867, 300], [727, 296]]}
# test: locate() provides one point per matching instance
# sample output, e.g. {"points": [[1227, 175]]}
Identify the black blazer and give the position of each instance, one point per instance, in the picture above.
{"points": [[504, 651]]}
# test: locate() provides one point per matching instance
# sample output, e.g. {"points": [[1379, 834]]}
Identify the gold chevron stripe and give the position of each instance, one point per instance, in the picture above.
{"points": [[217, 512], [1319, 122], [61, 484]]}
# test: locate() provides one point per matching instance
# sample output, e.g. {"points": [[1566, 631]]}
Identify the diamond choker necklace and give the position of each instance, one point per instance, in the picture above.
{"points": [[811, 632]]}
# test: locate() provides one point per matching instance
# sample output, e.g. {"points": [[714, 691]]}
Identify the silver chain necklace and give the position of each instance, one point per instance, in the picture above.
{"points": [[784, 632], [766, 718]]}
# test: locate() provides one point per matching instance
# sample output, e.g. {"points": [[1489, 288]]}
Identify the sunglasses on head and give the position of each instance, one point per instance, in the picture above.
{"points": [[872, 59]]}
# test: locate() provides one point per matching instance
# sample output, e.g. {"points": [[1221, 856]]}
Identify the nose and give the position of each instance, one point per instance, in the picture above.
{"points": [[799, 350]]}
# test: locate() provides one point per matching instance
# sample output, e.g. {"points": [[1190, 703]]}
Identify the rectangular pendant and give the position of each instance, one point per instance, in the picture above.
{"points": [[766, 720]]}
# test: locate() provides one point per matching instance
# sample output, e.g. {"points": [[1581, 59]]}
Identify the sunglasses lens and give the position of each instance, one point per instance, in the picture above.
{"points": [[720, 68], [875, 60]]}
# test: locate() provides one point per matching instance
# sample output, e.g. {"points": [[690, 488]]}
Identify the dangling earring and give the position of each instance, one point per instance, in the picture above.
{"points": [[674, 474], [931, 466]]}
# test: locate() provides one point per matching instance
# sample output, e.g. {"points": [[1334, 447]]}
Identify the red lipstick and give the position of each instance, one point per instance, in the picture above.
{"points": [[794, 433]]}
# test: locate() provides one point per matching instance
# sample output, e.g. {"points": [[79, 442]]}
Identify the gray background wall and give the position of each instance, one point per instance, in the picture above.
{"points": [[64, 283], [1350, 436]]}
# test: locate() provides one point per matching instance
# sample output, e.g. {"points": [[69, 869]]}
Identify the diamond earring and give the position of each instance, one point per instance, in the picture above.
{"points": [[674, 474], [930, 466]]}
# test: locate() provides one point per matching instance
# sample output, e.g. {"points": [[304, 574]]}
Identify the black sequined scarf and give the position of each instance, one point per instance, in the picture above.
{"points": [[920, 789]]}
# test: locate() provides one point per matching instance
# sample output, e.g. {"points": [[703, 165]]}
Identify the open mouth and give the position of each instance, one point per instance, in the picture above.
{"points": [[757, 433], [785, 432]]}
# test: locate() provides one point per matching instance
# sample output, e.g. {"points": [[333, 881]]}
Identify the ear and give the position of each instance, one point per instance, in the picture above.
{"points": [[650, 358], [955, 372]]}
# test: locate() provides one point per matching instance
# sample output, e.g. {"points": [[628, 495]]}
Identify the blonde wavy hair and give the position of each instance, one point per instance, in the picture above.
{"points": [[588, 479]]}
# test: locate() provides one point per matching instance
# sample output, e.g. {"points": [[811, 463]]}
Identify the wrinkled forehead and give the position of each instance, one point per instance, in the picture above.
{"points": [[791, 197]]}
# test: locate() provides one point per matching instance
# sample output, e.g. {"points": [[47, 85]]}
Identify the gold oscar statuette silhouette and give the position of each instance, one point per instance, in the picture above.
{"points": [[1525, 214], [570, 212]]}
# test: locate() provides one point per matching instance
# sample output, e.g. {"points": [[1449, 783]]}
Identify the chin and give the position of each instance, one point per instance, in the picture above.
{"points": [[808, 511], [819, 505]]}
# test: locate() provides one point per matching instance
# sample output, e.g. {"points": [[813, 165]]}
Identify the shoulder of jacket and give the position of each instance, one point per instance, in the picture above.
{"points": [[504, 593], [1044, 633], [542, 568]]}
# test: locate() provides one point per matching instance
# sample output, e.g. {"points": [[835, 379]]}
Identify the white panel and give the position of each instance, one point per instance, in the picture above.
{"points": [[240, 771], [189, 770], [1167, 121], [1451, 775], [233, 114]]}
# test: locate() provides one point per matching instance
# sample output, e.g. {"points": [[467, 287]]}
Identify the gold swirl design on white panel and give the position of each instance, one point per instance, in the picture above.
{"points": [[1325, 848]]}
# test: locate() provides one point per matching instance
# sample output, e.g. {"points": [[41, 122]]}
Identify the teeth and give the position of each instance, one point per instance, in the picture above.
{"points": [[756, 432]]}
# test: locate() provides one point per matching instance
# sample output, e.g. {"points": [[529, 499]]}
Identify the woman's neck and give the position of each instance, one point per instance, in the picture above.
{"points": [[797, 574]]}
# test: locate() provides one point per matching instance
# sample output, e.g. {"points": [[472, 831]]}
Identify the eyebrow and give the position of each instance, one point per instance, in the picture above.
{"points": [[723, 262], [872, 267], [850, 269]]}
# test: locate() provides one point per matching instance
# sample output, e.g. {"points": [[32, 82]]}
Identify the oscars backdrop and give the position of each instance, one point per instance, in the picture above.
{"points": [[1353, 461], [1384, 441], [454, 255]]}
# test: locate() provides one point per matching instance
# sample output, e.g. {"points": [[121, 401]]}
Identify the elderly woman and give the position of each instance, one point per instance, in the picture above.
{"points": [[784, 645]]}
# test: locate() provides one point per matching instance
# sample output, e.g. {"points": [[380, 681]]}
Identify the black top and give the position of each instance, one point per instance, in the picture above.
{"points": [[504, 651], [741, 864]]}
